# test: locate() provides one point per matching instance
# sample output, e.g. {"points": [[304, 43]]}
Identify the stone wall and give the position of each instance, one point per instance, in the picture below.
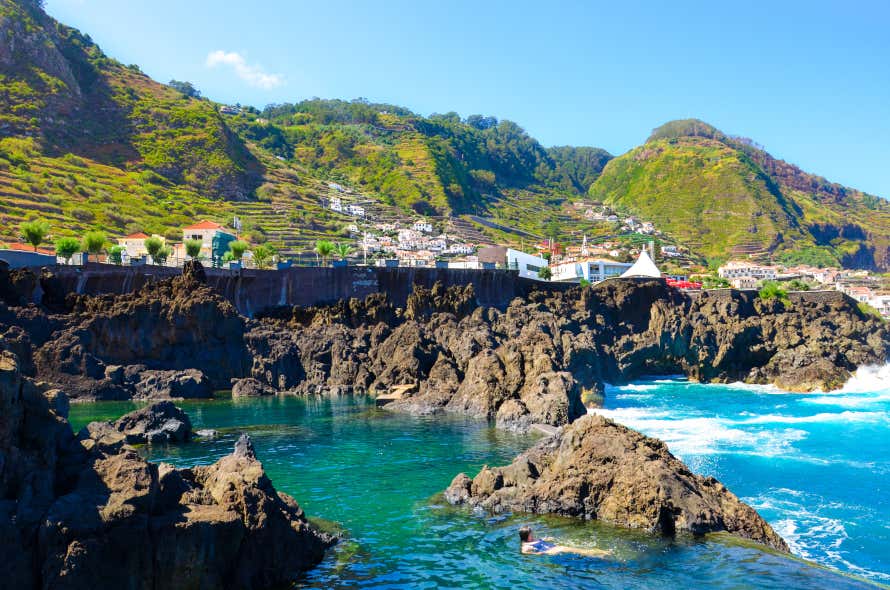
{"points": [[255, 290]]}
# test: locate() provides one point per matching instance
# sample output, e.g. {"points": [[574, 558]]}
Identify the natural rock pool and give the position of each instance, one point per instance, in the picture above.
{"points": [[816, 466]]}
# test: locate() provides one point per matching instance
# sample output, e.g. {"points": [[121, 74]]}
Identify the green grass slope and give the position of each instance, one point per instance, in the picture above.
{"points": [[725, 196]]}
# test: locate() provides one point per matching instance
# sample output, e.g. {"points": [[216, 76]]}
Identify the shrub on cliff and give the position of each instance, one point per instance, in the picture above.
{"points": [[773, 290]]}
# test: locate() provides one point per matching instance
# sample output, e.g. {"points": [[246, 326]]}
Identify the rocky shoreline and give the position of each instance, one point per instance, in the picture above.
{"points": [[70, 503], [540, 360], [88, 512]]}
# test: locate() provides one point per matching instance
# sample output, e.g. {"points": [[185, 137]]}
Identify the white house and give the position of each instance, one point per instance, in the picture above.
{"points": [[134, 244], [337, 205], [461, 249], [593, 270], [744, 282], [423, 226], [355, 210], [528, 264], [734, 269]]}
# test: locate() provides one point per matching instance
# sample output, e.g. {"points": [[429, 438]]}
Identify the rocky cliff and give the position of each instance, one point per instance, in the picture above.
{"points": [[539, 360], [596, 469], [88, 512]]}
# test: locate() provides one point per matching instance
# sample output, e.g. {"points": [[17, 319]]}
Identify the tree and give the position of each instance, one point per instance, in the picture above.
{"points": [[262, 255], [545, 274], [193, 248], [324, 249], [67, 247], [798, 285], [773, 290], [154, 246], [116, 254], [161, 255], [343, 250], [187, 88], [238, 248], [94, 242], [34, 232]]}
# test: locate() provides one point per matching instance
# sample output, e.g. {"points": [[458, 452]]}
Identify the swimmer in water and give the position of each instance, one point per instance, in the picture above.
{"points": [[531, 545]]}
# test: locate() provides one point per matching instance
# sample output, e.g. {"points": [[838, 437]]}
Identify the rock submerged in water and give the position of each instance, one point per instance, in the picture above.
{"points": [[597, 469], [91, 513], [161, 422]]}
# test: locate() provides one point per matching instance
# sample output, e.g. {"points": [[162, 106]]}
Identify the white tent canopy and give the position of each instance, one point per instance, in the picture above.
{"points": [[643, 267]]}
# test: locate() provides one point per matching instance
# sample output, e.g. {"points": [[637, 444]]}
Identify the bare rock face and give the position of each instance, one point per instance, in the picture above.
{"points": [[90, 513], [161, 422], [597, 469], [179, 324], [185, 384], [250, 387]]}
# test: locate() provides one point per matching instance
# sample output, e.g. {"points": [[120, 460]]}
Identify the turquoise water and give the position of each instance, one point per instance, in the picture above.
{"points": [[377, 476], [816, 466]]}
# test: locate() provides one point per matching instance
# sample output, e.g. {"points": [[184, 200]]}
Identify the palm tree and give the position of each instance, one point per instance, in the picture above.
{"points": [[94, 242], [324, 249], [34, 232], [343, 250], [262, 255]]}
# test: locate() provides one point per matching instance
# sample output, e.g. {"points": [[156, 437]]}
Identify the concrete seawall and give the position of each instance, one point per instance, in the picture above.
{"points": [[252, 291]]}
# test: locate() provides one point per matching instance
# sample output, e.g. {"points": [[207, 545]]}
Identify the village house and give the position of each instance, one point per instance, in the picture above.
{"points": [[423, 226], [214, 239], [460, 249], [735, 268], [134, 244], [355, 210], [744, 283], [336, 205]]}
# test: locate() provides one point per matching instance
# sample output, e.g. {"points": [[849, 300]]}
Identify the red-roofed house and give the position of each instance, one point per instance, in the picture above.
{"points": [[204, 231]]}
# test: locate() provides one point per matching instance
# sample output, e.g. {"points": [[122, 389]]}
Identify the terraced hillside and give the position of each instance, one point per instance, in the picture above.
{"points": [[725, 196]]}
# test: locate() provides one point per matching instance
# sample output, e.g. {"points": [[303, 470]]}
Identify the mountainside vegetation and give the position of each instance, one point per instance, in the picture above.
{"points": [[725, 196], [88, 143]]}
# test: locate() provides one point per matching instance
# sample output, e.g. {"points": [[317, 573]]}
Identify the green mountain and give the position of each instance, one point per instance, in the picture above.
{"points": [[89, 143], [724, 196]]}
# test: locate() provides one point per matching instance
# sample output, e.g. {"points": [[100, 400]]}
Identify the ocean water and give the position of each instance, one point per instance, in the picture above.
{"points": [[377, 477], [816, 466]]}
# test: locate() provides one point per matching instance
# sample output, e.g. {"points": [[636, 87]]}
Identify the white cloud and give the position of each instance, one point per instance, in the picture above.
{"points": [[250, 73]]}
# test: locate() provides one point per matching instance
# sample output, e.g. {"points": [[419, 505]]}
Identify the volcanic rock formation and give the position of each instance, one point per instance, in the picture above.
{"points": [[90, 513], [539, 360], [597, 469]]}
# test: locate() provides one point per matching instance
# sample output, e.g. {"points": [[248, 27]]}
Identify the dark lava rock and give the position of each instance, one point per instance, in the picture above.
{"points": [[190, 383], [93, 514], [597, 469], [161, 422], [250, 387]]}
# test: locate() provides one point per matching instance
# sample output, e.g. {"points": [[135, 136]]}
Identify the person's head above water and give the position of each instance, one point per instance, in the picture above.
{"points": [[525, 534]]}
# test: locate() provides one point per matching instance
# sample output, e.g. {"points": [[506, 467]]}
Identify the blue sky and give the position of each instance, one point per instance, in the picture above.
{"points": [[808, 80]]}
